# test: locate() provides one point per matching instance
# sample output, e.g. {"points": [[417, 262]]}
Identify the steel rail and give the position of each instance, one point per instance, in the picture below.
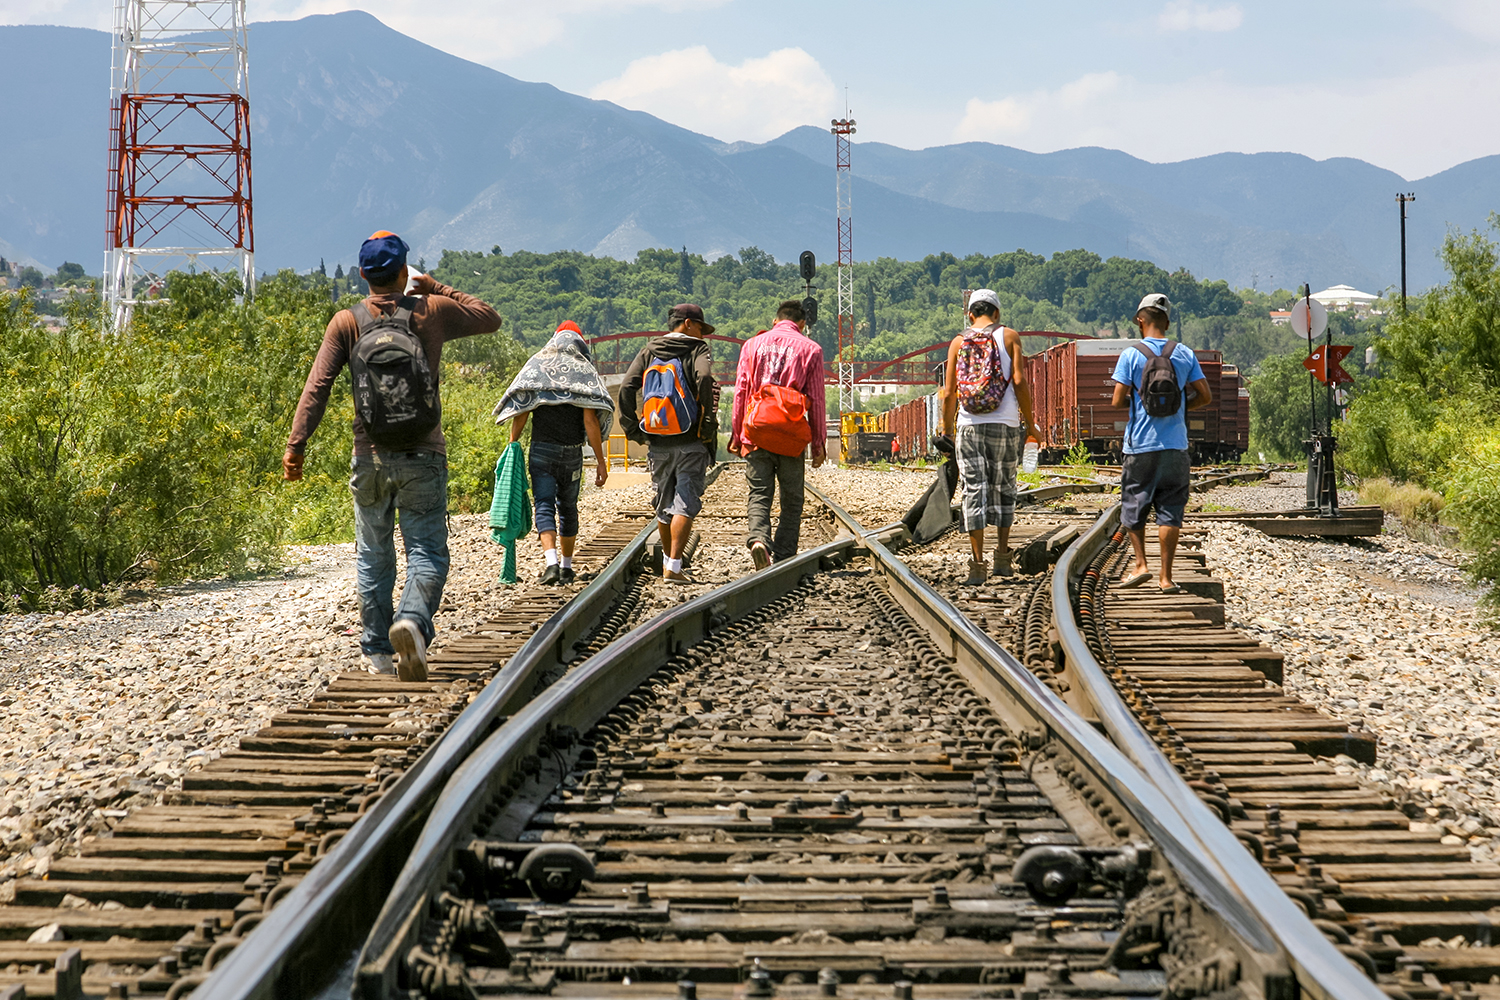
{"points": [[994, 670], [300, 943], [1322, 971], [578, 700], [586, 696]]}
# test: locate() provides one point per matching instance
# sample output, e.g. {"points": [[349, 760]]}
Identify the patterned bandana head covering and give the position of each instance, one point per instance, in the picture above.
{"points": [[562, 372]]}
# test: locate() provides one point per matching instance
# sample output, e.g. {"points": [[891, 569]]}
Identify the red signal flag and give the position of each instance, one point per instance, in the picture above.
{"points": [[1324, 363]]}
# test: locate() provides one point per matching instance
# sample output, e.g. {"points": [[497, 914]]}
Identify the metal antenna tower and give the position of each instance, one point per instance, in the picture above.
{"points": [[179, 157], [843, 128]]}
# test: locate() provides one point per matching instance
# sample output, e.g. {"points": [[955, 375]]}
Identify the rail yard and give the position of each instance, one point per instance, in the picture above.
{"points": [[848, 775]]}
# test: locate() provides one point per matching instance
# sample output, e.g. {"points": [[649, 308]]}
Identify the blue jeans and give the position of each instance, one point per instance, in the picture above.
{"points": [[556, 472], [415, 484]]}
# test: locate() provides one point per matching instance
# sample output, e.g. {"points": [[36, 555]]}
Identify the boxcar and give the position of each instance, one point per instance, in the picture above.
{"points": [[1073, 388]]}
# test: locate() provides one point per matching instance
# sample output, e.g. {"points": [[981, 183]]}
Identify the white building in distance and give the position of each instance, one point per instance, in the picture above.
{"points": [[1342, 298]]}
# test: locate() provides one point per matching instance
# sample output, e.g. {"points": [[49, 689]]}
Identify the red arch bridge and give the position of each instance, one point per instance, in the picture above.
{"points": [[917, 367]]}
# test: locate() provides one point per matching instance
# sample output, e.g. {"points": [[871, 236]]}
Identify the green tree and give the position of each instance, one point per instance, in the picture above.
{"points": [[30, 277], [1279, 408], [70, 272]]}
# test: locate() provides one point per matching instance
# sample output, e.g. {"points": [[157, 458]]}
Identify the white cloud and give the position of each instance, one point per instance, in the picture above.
{"points": [[1475, 17], [1163, 121], [993, 120], [757, 100], [1189, 15]]}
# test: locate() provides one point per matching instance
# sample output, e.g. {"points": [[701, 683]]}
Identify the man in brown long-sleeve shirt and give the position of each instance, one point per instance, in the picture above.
{"points": [[412, 480]]}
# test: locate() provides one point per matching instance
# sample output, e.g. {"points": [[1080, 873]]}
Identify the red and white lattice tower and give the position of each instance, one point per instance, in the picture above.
{"points": [[843, 128], [179, 158]]}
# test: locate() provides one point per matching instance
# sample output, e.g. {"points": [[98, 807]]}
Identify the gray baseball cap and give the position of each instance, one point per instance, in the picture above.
{"points": [[1156, 300]]}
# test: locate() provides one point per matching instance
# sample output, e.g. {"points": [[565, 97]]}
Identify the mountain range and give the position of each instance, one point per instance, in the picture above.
{"points": [[357, 127]]}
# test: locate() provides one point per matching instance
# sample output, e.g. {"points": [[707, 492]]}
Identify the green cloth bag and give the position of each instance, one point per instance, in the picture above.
{"points": [[510, 510]]}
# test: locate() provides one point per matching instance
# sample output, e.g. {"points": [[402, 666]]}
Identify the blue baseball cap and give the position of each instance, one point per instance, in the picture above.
{"points": [[382, 256]]}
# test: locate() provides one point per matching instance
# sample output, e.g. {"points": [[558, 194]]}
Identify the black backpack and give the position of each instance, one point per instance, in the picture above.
{"points": [[395, 392], [1160, 393]]}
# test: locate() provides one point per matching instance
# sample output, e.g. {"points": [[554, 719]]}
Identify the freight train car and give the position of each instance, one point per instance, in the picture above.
{"points": [[1073, 391]]}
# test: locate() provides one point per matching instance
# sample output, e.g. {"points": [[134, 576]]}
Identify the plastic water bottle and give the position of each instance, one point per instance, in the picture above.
{"points": [[1029, 455]]}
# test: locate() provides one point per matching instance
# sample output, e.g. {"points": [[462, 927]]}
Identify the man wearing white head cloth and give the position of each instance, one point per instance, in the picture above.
{"points": [[561, 386]]}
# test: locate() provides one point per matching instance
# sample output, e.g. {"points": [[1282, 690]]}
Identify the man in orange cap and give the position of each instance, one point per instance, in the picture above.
{"points": [[393, 345]]}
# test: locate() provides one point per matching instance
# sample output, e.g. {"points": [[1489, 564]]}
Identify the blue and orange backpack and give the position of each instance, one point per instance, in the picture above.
{"points": [[667, 407]]}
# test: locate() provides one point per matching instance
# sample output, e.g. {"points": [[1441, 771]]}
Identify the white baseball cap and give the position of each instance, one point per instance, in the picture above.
{"points": [[984, 295], [1156, 300]]}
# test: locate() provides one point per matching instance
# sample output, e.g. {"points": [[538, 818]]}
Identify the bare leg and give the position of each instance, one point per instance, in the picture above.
{"points": [[682, 527], [1002, 543], [567, 544], [549, 541], [665, 531], [1138, 546], [976, 544], [1167, 536]]}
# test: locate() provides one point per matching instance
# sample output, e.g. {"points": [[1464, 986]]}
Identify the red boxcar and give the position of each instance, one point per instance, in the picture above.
{"points": [[1229, 413], [909, 423], [1203, 425], [1073, 388], [1242, 442]]}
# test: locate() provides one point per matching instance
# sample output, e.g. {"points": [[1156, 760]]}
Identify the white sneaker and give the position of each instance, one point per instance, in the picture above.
{"points": [[381, 663], [412, 649]]}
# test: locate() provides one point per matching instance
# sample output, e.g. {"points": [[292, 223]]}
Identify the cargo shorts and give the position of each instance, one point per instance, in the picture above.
{"points": [[1154, 478], [678, 473]]}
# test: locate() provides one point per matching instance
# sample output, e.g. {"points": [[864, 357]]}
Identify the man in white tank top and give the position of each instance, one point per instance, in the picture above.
{"points": [[989, 433]]}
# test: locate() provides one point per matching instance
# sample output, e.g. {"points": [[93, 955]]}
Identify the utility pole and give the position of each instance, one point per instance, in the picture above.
{"points": [[1402, 199]]}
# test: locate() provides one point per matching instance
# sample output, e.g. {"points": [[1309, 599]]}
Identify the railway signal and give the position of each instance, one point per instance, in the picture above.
{"points": [[1325, 364]]}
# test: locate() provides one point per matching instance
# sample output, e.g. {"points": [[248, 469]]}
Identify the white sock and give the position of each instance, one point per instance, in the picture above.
{"points": [[551, 556], [672, 565], [566, 562]]}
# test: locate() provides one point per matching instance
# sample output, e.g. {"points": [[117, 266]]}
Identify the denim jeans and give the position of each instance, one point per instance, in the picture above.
{"points": [[765, 470], [556, 472], [413, 485]]}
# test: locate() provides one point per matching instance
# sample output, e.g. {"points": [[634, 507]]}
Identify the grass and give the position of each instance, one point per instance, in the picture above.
{"points": [[1408, 501]]}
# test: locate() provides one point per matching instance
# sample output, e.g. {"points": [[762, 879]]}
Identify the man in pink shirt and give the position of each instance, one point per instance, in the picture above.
{"points": [[768, 423]]}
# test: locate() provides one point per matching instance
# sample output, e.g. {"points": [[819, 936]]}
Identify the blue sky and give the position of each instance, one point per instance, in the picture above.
{"points": [[1411, 85]]}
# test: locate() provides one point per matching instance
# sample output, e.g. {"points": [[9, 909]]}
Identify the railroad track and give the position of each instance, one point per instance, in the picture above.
{"points": [[793, 786], [1186, 697], [174, 889]]}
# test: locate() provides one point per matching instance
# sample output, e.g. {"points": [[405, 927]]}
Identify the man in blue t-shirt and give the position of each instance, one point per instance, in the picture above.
{"points": [[1156, 469]]}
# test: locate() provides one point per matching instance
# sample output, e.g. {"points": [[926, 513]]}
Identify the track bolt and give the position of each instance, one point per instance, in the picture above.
{"points": [[658, 808], [741, 812], [760, 983], [531, 931], [793, 805], [892, 812], [640, 894], [687, 990], [828, 982], [937, 897], [901, 989], [840, 804]]}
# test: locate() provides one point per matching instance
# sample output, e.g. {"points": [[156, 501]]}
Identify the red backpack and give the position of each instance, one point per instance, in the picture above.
{"points": [[776, 420]]}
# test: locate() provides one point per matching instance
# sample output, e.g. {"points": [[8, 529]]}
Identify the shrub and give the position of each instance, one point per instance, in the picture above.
{"points": [[1473, 493], [157, 452], [1407, 501]]}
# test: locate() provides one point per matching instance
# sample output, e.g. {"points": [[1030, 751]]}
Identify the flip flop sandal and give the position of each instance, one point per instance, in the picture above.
{"points": [[1134, 580], [1174, 589]]}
